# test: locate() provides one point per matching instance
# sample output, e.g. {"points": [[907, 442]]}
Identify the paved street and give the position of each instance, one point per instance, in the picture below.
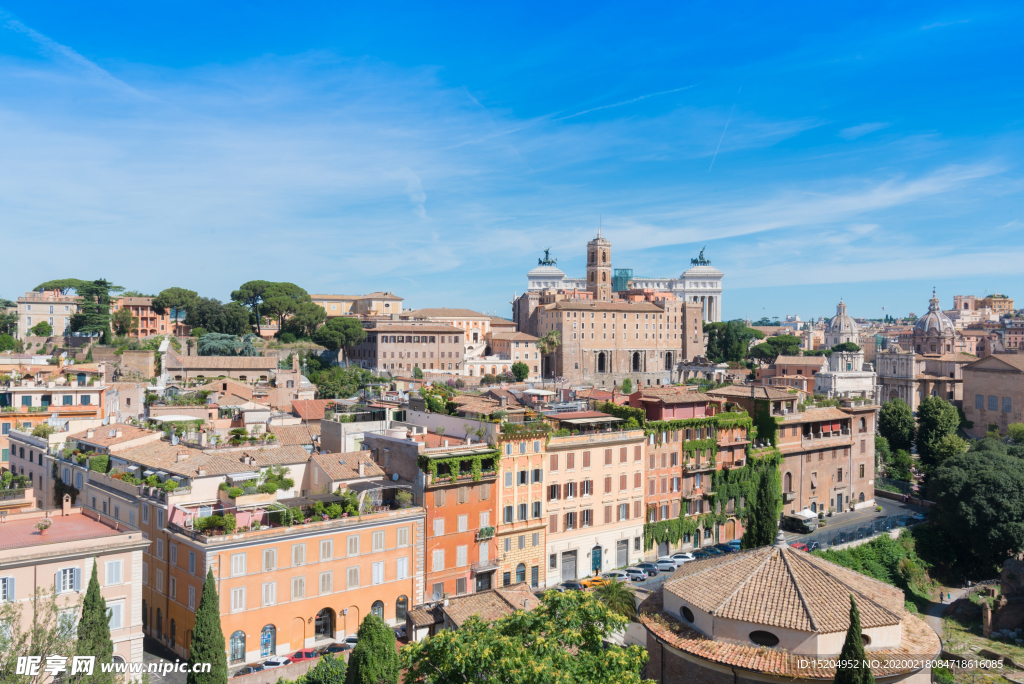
{"points": [[154, 652], [861, 517]]}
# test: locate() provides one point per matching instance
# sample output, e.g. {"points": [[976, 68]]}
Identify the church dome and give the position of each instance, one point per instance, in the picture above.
{"points": [[934, 323], [841, 324]]}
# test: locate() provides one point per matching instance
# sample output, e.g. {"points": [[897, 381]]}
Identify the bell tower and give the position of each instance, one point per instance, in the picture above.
{"points": [[599, 268]]}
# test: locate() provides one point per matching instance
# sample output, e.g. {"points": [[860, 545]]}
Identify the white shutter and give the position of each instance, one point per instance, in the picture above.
{"points": [[353, 578], [78, 579], [238, 599], [460, 556], [115, 611], [463, 523], [192, 597], [298, 588], [403, 536], [438, 563], [378, 573], [7, 589], [237, 564], [145, 573], [269, 593], [485, 552], [403, 569], [353, 545], [326, 583], [326, 549], [298, 554], [378, 541]]}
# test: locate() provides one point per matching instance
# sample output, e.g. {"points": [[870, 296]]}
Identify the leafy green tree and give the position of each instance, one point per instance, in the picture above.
{"points": [[42, 329], [763, 521], [627, 386], [340, 333], [374, 660], [94, 307], [417, 373], [1016, 429], [896, 424], [305, 318], [176, 299], [774, 347], [979, 506], [899, 466], [124, 322], [520, 370], [883, 454], [251, 295], [282, 300], [8, 322], [950, 446], [853, 652], [94, 628], [728, 341], [338, 382], [558, 642], [64, 285], [328, 670], [219, 344], [208, 639], [48, 630], [936, 418], [619, 597], [846, 347], [7, 343]]}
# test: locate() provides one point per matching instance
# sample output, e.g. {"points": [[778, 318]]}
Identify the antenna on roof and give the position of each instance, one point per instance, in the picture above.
{"points": [[112, 433], [436, 596]]}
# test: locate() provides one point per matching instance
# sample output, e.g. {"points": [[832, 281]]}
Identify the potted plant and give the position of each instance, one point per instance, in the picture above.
{"points": [[44, 525]]}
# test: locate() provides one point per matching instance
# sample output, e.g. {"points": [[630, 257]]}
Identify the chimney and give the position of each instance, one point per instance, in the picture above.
{"points": [[65, 508], [503, 402], [446, 443], [119, 434], [202, 438], [182, 455], [201, 472], [362, 469], [89, 433]]}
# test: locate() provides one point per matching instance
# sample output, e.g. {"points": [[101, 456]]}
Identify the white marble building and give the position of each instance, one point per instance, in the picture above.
{"points": [[700, 283], [847, 375]]}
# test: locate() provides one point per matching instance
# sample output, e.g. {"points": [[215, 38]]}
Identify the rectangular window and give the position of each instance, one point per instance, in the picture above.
{"points": [[378, 572], [553, 462], [159, 586], [438, 560], [113, 572], [461, 556], [403, 537], [553, 523], [623, 482], [402, 568], [269, 560], [145, 512], [160, 518], [522, 511], [160, 549], [570, 461], [586, 459], [1007, 405], [623, 455], [463, 494], [636, 509], [607, 514], [378, 539], [979, 401], [536, 509], [538, 475], [623, 512], [608, 484], [238, 599], [145, 573], [237, 564], [353, 542], [862, 470], [586, 518], [535, 539], [607, 457], [508, 544], [326, 549], [269, 593], [298, 588], [993, 403], [534, 576], [460, 585], [326, 582], [115, 613], [352, 578], [298, 554], [172, 587], [192, 597], [508, 515]]}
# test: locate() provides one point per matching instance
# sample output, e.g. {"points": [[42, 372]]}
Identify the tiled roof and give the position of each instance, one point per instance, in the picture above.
{"points": [[223, 362], [481, 405], [674, 395], [957, 357], [135, 301], [284, 454], [164, 456], [785, 588], [918, 644], [1013, 360], [296, 434], [413, 327], [800, 360], [498, 392], [310, 409], [492, 604], [514, 337], [346, 466], [815, 414], [496, 320], [101, 435], [592, 305], [760, 392], [444, 312], [432, 440], [125, 386], [425, 616]]}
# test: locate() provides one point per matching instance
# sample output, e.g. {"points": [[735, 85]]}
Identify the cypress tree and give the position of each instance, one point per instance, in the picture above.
{"points": [[763, 521], [207, 639], [94, 627], [374, 659], [853, 652]]}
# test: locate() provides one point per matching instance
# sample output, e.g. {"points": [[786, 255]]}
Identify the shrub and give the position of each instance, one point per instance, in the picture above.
{"points": [[287, 338], [235, 492]]}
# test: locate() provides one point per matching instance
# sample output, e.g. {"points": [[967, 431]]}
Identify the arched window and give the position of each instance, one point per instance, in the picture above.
{"points": [[520, 573], [604, 277], [601, 366], [863, 425], [268, 641], [636, 361], [401, 608], [604, 257], [237, 647], [788, 483], [378, 609], [861, 497]]}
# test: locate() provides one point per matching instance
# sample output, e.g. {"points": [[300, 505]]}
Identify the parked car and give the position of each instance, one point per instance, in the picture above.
{"points": [[276, 661], [636, 574], [677, 562], [712, 551], [683, 557], [735, 543], [725, 548], [813, 546], [698, 555], [351, 640], [616, 576], [304, 654], [335, 648], [593, 581], [799, 546], [650, 568], [400, 632], [919, 517], [572, 585], [666, 565], [249, 669], [865, 532]]}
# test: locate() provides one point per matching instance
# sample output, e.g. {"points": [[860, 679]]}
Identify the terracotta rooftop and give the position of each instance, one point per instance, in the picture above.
{"points": [[491, 605], [432, 440], [815, 414], [101, 436], [413, 327], [296, 434], [163, 456], [919, 644], [785, 588], [311, 409], [444, 312], [1013, 360], [760, 392], [957, 357], [223, 362], [21, 532], [282, 454], [346, 466], [800, 360], [514, 337], [675, 395]]}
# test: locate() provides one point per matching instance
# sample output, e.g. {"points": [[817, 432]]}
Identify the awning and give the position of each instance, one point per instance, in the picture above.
{"points": [[589, 421], [814, 480]]}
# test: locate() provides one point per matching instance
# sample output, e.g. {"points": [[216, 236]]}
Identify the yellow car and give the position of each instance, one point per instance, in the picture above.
{"points": [[594, 581]]}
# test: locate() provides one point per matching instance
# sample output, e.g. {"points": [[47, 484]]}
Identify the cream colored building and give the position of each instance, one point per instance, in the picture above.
{"points": [[51, 307], [994, 392], [475, 325], [594, 503], [373, 304]]}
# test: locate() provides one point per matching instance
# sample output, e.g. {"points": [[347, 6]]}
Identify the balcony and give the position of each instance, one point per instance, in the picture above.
{"points": [[484, 566], [485, 533], [788, 497], [696, 467]]}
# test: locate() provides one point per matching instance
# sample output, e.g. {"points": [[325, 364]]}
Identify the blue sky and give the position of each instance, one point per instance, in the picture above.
{"points": [[863, 151]]}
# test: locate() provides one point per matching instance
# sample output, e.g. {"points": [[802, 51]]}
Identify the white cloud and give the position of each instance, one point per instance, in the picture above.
{"points": [[854, 132]]}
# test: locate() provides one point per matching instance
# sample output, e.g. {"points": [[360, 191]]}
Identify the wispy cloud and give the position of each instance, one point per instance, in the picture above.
{"points": [[854, 132], [620, 104], [940, 24]]}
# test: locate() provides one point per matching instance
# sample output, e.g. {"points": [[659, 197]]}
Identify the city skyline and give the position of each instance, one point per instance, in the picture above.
{"points": [[868, 159]]}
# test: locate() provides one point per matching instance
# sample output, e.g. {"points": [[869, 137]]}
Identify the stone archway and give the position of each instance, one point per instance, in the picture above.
{"points": [[636, 361], [602, 365], [668, 361]]}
